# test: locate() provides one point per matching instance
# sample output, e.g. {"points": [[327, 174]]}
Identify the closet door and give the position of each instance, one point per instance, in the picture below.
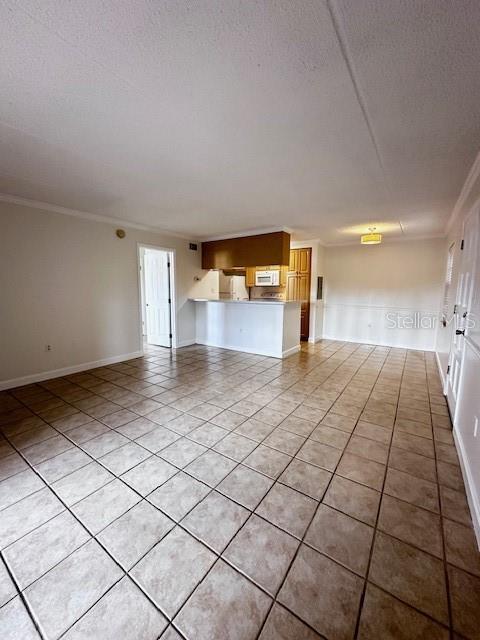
{"points": [[298, 285]]}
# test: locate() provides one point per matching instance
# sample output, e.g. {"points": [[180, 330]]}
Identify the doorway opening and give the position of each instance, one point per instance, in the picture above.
{"points": [[157, 295]]}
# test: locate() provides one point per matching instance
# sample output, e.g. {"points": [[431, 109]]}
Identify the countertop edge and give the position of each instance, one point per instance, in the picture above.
{"points": [[262, 302]]}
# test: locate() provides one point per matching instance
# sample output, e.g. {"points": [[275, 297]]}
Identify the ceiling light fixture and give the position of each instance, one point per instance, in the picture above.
{"points": [[372, 237]]}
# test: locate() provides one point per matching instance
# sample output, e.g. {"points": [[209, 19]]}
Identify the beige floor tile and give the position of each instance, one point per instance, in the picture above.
{"points": [[172, 570], [411, 524], [288, 509], [353, 499], [225, 599], [339, 422], [134, 533], [367, 448], [332, 437], [415, 444], [262, 552], [235, 446], [421, 493], [124, 612], [465, 600], [245, 486], [412, 463], [285, 441], [461, 546], [178, 495], [211, 468], [342, 538], [323, 594], [15, 622], [358, 469], [319, 454], [66, 592], [373, 431], [282, 625], [306, 478], [215, 520], [386, 618], [268, 461], [455, 505], [411, 575]]}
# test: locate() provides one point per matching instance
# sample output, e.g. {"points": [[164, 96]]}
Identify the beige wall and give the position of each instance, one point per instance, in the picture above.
{"points": [[369, 287], [72, 283]]}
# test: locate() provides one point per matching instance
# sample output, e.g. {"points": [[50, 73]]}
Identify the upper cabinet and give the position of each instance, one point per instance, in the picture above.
{"points": [[247, 251]]}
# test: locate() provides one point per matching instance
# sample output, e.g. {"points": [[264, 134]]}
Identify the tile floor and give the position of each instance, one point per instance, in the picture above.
{"points": [[208, 494]]}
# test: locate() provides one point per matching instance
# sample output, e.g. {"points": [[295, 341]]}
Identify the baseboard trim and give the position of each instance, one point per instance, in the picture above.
{"points": [[440, 372], [291, 351], [184, 343], [258, 352], [472, 497], [66, 371], [379, 344]]}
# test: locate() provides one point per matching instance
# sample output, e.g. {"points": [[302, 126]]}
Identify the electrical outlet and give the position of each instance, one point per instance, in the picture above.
{"points": [[48, 347]]}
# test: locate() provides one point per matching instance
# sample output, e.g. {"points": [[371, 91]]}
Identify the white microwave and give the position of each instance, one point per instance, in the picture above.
{"points": [[267, 278]]}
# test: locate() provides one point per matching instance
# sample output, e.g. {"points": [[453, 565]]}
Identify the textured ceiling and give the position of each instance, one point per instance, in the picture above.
{"points": [[209, 118]]}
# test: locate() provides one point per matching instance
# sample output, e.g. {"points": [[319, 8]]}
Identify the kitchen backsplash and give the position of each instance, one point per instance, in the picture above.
{"points": [[277, 293]]}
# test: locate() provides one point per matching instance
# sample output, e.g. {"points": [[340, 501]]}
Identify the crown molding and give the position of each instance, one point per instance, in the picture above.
{"points": [[307, 241], [473, 176], [93, 217]]}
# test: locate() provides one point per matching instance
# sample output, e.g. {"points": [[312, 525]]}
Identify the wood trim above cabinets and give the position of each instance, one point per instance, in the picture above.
{"points": [[247, 251]]}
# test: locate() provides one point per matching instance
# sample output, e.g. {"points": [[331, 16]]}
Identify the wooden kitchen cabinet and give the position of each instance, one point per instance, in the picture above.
{"points": [[298, 285], [250, 276], [246, 251]]}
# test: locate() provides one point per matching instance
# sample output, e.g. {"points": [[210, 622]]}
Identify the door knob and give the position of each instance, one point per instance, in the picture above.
{"points": [[460, 332]]}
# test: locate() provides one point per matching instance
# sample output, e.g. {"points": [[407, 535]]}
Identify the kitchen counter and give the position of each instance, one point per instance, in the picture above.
{"points": [[257, 301], [265, 327]]}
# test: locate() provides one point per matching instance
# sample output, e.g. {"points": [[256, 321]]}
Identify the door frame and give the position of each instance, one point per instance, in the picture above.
{"points": [[173, 291]]}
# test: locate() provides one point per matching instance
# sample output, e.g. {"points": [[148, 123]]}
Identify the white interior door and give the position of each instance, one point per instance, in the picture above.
{"points": [[157, 297], [463, 323]]}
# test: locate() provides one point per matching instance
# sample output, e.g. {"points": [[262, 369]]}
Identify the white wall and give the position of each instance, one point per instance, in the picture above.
{"points": [[72, 283], [317, 269], [265, 328], [372, 290]]}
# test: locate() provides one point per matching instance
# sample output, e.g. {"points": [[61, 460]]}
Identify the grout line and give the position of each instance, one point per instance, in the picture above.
{"points": [[375, 527], [442, 531], [22, 597]]}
